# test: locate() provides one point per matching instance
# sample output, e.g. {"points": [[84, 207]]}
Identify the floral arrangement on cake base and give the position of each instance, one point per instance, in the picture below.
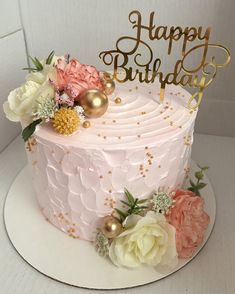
{"points": [[155, 231], [60, 90]]}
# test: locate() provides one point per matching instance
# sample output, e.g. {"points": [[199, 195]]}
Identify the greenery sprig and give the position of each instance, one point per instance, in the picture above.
{"points": [[134, 206], [199, 184], [29, 130], [38, 66]]}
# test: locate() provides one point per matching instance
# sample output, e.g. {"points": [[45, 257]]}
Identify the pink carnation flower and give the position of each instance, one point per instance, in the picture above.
{"points": [[74, 78], [190, 220]]}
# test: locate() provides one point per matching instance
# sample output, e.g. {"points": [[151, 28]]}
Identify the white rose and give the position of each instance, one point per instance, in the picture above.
{"points": [[48, 71], [150, 241], [20, 102]]}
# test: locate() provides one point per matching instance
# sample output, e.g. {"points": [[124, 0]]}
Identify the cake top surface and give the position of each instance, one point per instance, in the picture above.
{"points": [[138, 119]]}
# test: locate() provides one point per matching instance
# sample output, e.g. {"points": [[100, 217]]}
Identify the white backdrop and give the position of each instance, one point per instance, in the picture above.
{"points": [[87, 27]]}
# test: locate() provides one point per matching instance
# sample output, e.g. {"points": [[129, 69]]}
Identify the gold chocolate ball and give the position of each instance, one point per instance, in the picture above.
{"points": [[118, 100], [111, 227], [94, 103], [109, 86], [86, 124]]}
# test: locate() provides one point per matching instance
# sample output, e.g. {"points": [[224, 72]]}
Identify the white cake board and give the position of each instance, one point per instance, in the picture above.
{"points": [[69, 260]]}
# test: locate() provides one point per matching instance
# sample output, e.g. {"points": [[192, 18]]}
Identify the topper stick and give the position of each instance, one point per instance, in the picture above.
{"points": [[162, 94]]}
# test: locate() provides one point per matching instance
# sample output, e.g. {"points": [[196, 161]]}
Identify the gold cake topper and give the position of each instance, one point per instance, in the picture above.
{"points": [[198, 77]]}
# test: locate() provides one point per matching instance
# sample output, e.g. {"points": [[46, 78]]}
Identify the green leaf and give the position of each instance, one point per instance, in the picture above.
{"points": [[205, 168], [199, 175], [29, 68], [201, 185], [192, 183], [191, 189], [50, 57], [126, 203], [142, 201], [29, 130], [121, 214], [37, 63], [129, 197]]}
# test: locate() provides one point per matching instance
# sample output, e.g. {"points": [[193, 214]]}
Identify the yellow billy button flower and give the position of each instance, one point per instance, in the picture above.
{"points": [[66, 121]]}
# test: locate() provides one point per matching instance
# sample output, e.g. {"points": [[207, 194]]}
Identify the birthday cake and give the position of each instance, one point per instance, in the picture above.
{"points": [[93, 144]]}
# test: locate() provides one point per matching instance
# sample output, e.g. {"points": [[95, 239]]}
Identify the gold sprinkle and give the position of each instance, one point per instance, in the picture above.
{"points": [[114, 121], [104, 122], [141, 173], [110, 172], [118, 100], [138, 136], [130, 90], [86, 124], [171, 123], [101, 177], [159, 166], [119, 137], [150, 92], [146, 170], [143, 112], [144, 176], [180, 127], [110, 191], [146, 147], [105, 137], [136, 88], [67, 152], [138, 123], [99, 135]]}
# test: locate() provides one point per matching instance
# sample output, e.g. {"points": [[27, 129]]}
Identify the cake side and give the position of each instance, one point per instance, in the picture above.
{"points": [[80, 178]]}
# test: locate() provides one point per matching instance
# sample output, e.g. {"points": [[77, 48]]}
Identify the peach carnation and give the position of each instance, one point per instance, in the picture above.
{"points": [[190, 220], [74, 78]]}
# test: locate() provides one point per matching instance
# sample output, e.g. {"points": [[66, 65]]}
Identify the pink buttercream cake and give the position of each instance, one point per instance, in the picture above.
{"points": [[140, 144]]}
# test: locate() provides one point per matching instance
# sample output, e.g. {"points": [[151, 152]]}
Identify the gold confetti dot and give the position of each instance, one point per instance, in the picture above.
{"points": [[143, 112], [146, 147], [136, 88], [114, 120], [110, 191], [101, 177], [110, 172], [119, 137], [159, 166], [150, 92], [86, 124], [105, 137], [99, 135], [138, 123], [118, 100], [139, 136], [144, 176]]}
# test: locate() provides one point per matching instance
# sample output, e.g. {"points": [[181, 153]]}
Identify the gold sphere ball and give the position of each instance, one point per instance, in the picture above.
{"points": [[111, 227], [94, 103], [109, 86], [86, 124], [118, 100]]}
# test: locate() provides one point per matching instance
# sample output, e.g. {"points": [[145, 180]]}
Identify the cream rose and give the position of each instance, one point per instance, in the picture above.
{"points": [[20, 102], [48, 71], [151, 240]]}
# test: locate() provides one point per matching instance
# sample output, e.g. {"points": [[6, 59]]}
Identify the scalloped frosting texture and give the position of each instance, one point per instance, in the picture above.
{"points": [[139, 144]]}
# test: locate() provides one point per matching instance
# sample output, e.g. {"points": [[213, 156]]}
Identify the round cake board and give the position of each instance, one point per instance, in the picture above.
{"points": [[71, 261]]}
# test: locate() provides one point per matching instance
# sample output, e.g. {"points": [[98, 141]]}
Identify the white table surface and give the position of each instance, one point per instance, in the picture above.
{"points": [[212, 271]]}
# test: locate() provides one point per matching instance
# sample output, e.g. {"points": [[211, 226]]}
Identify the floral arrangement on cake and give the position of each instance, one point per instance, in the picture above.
{"points": [[155, 231], [60, 90]]}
